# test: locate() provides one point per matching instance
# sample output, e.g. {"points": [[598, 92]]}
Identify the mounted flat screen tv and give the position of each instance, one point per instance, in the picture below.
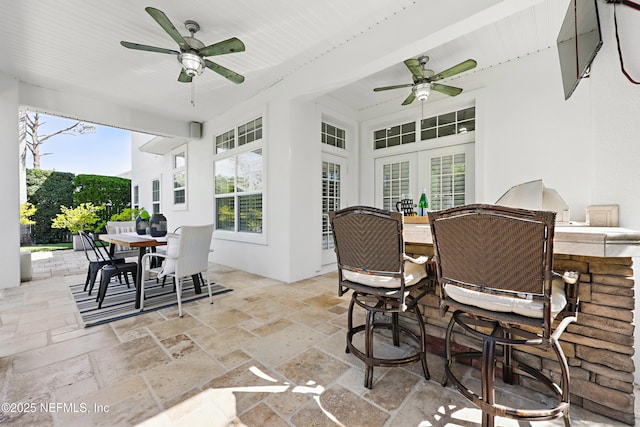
{"points": [[579, 41]]}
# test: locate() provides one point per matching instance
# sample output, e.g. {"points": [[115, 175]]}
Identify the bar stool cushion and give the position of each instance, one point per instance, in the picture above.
{"points": [[522, 304], [414, 271]]}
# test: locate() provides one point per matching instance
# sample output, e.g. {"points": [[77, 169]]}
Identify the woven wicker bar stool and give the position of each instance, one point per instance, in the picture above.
{"points": [[494, 268], [371, 262]]}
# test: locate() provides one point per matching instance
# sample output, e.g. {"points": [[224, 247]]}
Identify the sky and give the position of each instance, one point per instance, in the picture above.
{"points": [[107, 151]]}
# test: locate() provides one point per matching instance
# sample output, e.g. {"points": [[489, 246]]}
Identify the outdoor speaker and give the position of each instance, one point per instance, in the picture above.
{"points": [[196, 130]]}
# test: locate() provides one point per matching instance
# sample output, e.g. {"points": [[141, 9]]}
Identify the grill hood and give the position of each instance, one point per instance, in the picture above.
{"points": [[534, 195]]}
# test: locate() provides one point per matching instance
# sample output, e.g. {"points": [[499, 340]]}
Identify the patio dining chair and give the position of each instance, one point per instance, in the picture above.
{"points": [[117, 227], [495, 271], [187, 255], [109, 266], [97, 259], [385, 281]]}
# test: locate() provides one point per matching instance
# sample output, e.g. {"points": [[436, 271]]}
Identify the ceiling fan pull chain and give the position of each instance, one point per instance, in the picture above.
{"points": [[193, 94]]}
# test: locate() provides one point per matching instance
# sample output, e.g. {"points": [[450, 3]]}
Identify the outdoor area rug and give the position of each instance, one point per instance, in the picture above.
{"points": [[120, 300]]}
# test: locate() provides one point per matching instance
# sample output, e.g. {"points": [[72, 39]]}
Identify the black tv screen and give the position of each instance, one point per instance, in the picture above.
{"points": [[578, 42]]}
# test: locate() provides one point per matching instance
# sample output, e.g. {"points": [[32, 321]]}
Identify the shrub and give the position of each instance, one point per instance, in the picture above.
{"points": [[27, 210], [82, 217]]}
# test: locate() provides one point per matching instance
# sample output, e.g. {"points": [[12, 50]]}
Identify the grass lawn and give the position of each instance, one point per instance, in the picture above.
{"points": [[47, 247]]}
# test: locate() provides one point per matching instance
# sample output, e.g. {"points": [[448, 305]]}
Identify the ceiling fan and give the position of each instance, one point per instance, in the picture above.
{"points": [[192, 51], [423, 79]]}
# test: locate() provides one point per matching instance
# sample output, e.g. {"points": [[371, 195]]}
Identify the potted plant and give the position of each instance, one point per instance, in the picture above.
{"points": [[82, 217]]}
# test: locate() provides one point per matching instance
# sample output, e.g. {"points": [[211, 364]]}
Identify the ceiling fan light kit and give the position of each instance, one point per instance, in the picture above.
{"points": [[192, 64], [422, 91], [423, 79], [192, 53]]}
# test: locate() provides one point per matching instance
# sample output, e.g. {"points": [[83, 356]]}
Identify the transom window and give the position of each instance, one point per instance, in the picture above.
{"points": [[332, 135], [250, 131], [394, 135], [460, 121], [225, 141], [243, 134]]}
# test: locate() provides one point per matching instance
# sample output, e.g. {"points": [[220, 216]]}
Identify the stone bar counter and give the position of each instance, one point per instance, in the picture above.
{"points": [[600, 345]]}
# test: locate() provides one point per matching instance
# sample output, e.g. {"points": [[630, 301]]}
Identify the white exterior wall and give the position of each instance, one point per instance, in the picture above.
{"points": [[9, 161]]}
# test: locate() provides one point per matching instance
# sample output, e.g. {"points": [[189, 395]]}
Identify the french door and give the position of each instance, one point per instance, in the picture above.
{"points": [[446, 173], [333, 185]]}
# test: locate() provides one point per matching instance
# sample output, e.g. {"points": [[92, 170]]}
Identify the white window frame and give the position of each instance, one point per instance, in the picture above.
{"points": [[175, 170], [380, 162], [136, 197], [424, 166], [259, 144], [159, 201]]}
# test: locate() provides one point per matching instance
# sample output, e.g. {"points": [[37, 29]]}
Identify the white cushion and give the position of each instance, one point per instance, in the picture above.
{"points": [[414, 271], [173, 247], [522, 306]]}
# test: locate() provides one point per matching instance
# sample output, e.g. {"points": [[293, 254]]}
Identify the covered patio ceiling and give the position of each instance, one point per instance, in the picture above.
{"points": [[343, 49]]}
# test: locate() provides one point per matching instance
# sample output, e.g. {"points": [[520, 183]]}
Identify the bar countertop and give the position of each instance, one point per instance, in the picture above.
{"points": [[569, 239]]}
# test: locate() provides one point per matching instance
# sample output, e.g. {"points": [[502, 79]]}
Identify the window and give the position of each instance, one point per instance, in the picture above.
{"points": [[155, 195], [238, 176], [331, 194], [225, 141], [249, 132], [180, 178], [448, 186], [395, 135], [395, 183], [332, 135], [448, 124], [136, 197]]}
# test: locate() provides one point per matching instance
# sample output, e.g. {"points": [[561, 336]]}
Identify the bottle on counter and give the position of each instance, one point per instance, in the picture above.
{"points": [[423, 204]]}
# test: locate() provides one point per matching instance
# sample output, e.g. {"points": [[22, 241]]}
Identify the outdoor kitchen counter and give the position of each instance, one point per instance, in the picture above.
{"points": [[569, 239], [600, 345]]}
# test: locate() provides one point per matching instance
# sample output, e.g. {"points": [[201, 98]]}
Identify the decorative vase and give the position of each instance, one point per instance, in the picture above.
{"points": [[158, 225], [141, 225]]}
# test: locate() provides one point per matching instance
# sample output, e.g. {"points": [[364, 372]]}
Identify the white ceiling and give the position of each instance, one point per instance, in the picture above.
{"points": [[73, 46]]}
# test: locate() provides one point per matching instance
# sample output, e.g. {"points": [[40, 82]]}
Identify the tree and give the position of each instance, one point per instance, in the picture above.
{"points": [[31, 139]]}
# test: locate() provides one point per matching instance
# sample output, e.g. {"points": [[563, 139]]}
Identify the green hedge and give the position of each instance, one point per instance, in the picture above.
{"points": [[48, 190]]}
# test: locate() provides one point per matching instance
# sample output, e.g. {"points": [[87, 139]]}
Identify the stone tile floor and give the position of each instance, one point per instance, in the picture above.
{"points": [[266, 354]]}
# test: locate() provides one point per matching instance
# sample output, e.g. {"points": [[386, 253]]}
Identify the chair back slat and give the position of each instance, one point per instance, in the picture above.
{"points": [[91, 250], [193, 253], [368, 239], [497, 248]]}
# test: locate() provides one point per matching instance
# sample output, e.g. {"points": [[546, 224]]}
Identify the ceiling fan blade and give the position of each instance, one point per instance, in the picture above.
{"points": [[415, 67], [166, 25], [447, 90], [148, 48], [456, 69], [224, 72], [184, 77], [409, 99], [378, 89], [231, 45]]}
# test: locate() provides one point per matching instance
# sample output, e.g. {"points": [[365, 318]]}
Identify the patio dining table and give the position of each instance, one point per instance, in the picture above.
{"points": [[142, 242]]}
